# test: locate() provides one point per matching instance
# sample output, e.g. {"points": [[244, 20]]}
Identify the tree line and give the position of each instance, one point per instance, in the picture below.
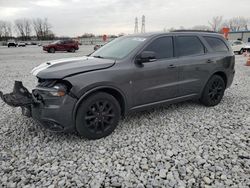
{"points": [[217, 23], [234, 24], [26, 29]]}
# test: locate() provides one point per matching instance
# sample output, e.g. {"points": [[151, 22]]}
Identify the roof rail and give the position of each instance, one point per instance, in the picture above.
{"points": [[190, 30]]}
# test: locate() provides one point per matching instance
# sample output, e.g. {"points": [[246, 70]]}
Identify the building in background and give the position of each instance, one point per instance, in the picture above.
{"points": [[239, 35]]}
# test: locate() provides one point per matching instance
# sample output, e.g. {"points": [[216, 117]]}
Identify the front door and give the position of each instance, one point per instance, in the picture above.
{"points": [[156, 81]]}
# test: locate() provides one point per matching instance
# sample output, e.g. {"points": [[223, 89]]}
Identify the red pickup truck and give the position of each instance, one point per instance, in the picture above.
{"points": [[61, 45]]}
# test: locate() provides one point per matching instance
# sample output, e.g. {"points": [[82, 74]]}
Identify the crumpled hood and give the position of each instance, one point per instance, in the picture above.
{"points": [[61, 68]]}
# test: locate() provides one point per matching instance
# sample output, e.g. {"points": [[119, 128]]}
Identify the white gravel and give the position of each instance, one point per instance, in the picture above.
{"points": [[181, 145]]}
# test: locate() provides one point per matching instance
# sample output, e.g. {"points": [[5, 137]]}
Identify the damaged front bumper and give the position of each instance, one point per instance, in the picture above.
{"points": [[52, 112]]}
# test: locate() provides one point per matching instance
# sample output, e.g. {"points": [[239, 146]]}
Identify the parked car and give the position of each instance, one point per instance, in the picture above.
{"points": [[11, 44], [237, 46], [21, 44], [89, 94], [247, 47], [62, 45], [97, 46]]}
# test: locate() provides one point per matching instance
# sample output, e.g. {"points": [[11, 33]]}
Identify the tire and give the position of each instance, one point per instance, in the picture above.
{"points": [[213, 91], [52, 50], [72, 50], [98, 116], [241, 51]]}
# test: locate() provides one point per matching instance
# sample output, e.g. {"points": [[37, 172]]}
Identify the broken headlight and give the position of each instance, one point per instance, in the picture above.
{"points": [[56, 89]]}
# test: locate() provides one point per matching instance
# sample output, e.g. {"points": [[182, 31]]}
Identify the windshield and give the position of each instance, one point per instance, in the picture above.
{"points": [[118, 48], [55, 42]]}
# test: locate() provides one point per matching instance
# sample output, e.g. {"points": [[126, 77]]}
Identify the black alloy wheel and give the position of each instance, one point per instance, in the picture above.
{"points": [[98, 116], [214, 91]]}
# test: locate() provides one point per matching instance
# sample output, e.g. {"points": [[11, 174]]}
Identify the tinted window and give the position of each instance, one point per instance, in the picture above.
{"points": [[67, 41], [238, 43], [189, 45], [163, 47], [216, 44]]}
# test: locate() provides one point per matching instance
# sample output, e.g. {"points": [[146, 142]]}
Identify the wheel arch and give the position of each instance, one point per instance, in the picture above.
{"points": [[219, 73], [116, 93], [223, 75]]}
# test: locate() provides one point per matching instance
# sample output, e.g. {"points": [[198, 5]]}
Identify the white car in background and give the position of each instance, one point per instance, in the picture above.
{"points": [[21, 44], [237, 46], [247, 47]]}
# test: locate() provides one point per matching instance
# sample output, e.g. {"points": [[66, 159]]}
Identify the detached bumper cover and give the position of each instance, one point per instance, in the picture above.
{"points": [[54, 113], [19, 97]]}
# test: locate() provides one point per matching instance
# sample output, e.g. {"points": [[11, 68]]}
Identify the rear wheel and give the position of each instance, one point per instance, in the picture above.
{"points": [[213, 91], [72, 50], [98, 116], [52, 50]]}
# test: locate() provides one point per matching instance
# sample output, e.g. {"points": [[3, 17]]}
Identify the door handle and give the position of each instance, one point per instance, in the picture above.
{"points": [[210, 61], [171, 66]]}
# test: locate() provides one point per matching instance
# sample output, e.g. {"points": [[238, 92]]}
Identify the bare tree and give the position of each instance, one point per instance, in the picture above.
{"points": [[27, 28], [5, 30], [37, 24], [1, 29], [42, 29], [23, 28], [19, 26], [238, 23], [216, 23]]}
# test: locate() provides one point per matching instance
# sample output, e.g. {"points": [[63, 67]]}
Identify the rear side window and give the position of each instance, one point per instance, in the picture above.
{"points": [[67, 41], [189, 45], [238, 42], [216, 44], [163, 47]]}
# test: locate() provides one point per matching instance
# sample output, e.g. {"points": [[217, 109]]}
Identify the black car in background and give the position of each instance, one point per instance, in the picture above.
{"points": [[11, 44], [89, 94]]}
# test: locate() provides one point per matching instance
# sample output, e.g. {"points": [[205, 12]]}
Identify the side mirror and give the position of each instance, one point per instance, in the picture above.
{"points": [[146, 57]]}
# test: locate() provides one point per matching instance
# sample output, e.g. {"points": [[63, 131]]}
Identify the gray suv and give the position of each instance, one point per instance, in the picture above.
{"points": [[89, 94]]}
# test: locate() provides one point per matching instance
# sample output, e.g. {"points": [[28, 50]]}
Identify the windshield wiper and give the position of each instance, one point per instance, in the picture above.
{"points": [[98, 56]]}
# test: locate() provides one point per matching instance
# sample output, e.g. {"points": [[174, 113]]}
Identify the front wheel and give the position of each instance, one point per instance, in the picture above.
{"points": [[213, 91], [98, 116], [52, 50]]}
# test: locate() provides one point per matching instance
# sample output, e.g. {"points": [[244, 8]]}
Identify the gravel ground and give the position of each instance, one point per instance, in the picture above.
{"points": [[181, 145]]}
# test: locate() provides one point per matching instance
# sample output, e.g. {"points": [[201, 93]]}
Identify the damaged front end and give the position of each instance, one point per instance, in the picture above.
{"points": [[20, 97], [50, 103]]}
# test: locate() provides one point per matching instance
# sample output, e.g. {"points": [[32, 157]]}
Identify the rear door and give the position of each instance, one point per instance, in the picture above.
{"points": [[60, 46], [156, 81], [194, 63], [68, 44]]}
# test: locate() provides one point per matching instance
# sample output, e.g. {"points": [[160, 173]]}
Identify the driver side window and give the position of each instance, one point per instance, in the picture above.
{"points": [[163, 47]]}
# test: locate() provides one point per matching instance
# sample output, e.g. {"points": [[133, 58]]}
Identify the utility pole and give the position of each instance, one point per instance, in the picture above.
{"points": [[136, 25], [143, 24]]}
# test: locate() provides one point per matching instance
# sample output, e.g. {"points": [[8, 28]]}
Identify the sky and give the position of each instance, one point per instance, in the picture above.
{"points": [[76, 17]]}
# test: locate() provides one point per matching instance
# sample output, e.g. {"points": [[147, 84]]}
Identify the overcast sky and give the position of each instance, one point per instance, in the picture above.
{"points": [[75, 17]]}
